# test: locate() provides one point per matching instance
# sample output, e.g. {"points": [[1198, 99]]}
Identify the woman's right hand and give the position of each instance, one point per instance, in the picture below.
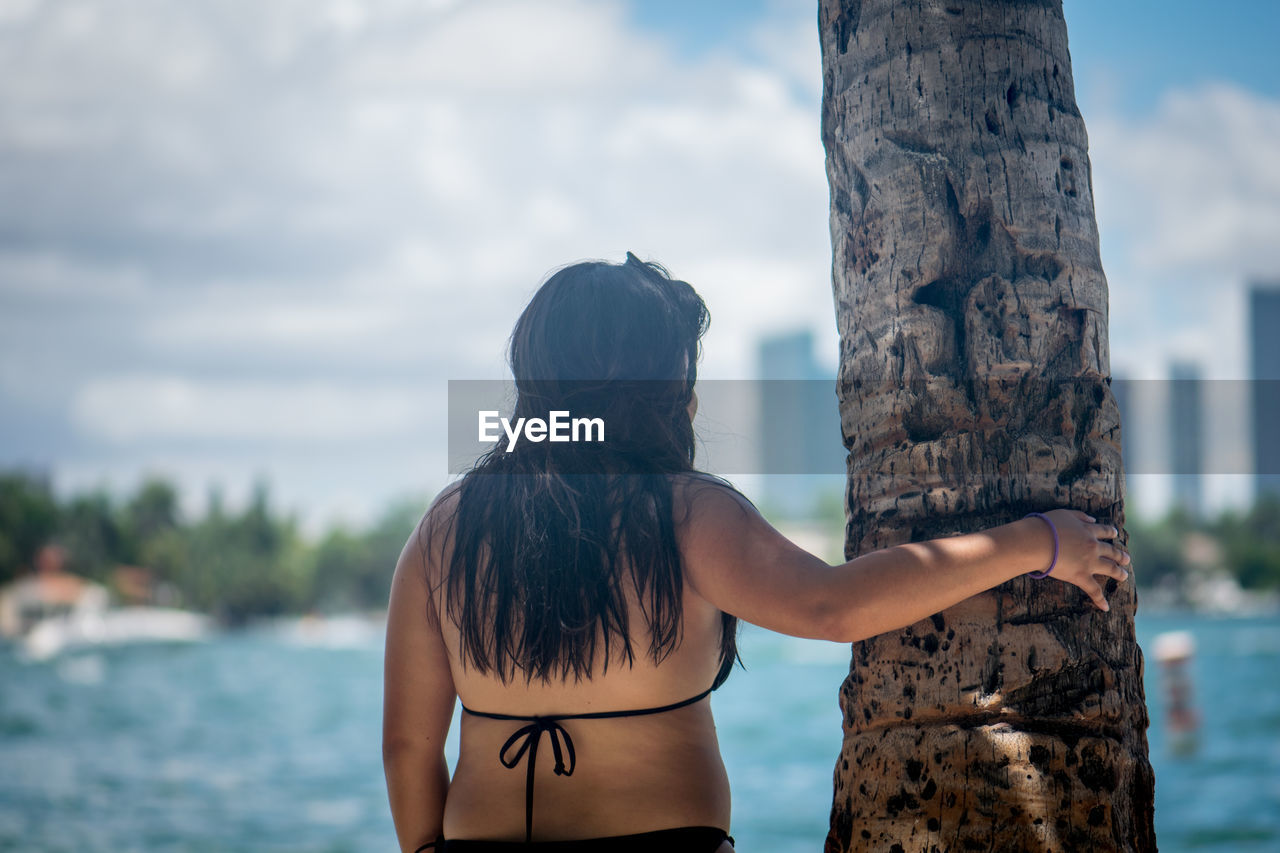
{"points": [[1084, 553]]}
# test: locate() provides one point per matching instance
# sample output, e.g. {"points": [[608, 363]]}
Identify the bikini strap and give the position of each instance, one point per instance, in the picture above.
{"points": [[593, 715], [526, 739]]}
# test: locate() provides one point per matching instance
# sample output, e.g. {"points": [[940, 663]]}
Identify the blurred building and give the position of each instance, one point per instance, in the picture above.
{"points": [[1264, 362], [1122, 391], [1144, 442], [801, 450], [1186, 436]]}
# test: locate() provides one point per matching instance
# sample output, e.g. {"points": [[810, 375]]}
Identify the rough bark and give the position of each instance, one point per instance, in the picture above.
{"points": [[974, 388]]}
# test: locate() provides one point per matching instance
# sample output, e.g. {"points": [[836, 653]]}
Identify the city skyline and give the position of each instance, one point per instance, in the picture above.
{"points": [[1207, 444]]}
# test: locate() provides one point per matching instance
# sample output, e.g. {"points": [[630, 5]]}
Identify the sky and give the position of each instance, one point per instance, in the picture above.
{"points": [[252, 241]]}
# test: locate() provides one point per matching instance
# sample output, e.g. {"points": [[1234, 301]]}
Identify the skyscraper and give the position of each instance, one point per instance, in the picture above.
{"points": [[1122, 390], [1264, 361], [1186, 436], [799, 424]]}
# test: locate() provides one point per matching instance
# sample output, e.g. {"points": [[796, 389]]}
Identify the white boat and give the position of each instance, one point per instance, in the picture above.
{"points": [[52, 611], [87, 628]]}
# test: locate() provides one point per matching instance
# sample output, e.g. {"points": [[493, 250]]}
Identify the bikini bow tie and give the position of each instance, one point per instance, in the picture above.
{"points": [[527, 738]]}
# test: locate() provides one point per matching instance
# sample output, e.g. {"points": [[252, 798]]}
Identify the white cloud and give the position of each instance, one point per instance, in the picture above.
{"points": [[786, 40], [1196, 185], [138, 408], [47, 276], [1188, 205]]}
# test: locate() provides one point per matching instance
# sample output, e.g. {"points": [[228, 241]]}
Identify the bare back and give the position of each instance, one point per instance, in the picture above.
{"points": [[632, 774]]}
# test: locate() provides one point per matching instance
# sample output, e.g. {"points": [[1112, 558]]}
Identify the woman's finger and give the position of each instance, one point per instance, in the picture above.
{"points": [[1107, 531], [1114, 553], [1094, 591], [1112, 570]]}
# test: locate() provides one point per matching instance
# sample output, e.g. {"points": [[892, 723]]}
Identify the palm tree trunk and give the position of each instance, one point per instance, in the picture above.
{"points": [[974, 387]]}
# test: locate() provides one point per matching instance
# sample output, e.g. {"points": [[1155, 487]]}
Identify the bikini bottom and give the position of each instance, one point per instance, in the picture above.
{"points": [[684, 839]]}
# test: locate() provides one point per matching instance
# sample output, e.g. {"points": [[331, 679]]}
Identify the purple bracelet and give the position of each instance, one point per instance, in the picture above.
{"points": [[1045, 573]]}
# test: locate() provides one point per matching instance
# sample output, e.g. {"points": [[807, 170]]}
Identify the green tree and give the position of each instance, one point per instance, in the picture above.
{"points": [[339, 560], [242, 566], [1156, 548], [1251, 543], [353, 570], [151, 512], [385, 542], [29, 518], [91, 531]]}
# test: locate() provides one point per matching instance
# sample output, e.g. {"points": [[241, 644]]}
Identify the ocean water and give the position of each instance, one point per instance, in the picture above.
{"points": [[269, 740]]}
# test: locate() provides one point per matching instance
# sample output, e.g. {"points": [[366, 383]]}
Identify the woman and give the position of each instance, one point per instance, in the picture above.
{"points": [[582, 597]]}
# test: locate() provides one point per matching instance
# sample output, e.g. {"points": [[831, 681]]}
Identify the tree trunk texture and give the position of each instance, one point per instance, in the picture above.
{"points": [[974, 387]]}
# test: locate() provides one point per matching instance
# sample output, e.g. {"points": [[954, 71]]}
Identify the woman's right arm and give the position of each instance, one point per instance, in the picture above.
{"points": [[741, 564], [418, 693]]}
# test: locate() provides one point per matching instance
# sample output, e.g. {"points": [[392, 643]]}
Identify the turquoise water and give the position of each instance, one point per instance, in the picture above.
{"points": [[254, 741]]}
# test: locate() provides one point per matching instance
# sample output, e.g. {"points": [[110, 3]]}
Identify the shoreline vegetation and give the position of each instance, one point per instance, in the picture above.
{"points": [[255, 563]]}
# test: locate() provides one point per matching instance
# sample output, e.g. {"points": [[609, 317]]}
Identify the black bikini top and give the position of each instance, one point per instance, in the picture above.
{"points": [[526, 738]]}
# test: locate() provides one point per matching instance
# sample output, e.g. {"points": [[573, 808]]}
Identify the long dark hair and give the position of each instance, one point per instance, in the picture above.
{"points": [[547, 536]]}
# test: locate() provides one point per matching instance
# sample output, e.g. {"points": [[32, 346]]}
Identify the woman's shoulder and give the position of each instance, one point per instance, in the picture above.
{"points": [[434, 532], [698, 495], [711, 517], [445, 502]]}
